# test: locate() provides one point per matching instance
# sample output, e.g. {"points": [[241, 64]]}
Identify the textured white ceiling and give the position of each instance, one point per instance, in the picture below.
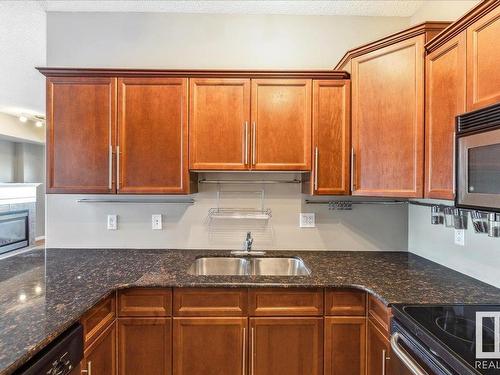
{"points": [[395, 8]]}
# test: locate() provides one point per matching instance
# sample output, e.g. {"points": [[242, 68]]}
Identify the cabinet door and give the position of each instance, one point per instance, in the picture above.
{"points": [[331, 137], [483, 59], [100, 356], [152, 133], [378, 349], [80, 134], [286, 346], [219, 124], [445, 99], [144, 346], [281, 124], [210, 346], [345, 345], [387, 120]]}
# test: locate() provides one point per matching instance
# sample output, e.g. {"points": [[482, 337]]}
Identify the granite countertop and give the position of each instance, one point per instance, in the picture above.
{"points": [[43, 292]]}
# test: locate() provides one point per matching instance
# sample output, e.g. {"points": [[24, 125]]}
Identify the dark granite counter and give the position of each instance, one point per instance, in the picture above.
{"points": [[43, 292]]}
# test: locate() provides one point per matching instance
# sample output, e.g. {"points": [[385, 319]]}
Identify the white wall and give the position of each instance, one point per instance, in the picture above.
{"points": [[442, 10], [22, 46], [208, 41], [7, 161], [479, 258], [366, 227]]}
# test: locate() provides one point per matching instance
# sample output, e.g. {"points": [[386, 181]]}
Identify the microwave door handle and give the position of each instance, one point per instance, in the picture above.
{"points": [[405, 358]]}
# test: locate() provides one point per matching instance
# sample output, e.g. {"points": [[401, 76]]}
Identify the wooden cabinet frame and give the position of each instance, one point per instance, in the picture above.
{"points": [[154, 163], [442, 105]]}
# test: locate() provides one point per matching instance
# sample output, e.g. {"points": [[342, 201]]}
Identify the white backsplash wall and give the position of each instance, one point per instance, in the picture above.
{"points": [[479, 258], [366, 227]]}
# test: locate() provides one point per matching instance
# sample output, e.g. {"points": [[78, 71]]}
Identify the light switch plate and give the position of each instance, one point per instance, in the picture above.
{"points": [[307, 220], [112, 222], [460, 237], [156, 222]]}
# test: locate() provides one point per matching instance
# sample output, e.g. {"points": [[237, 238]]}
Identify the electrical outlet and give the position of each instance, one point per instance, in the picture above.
{"points": [[460, 237], [307, 220], [156, 222], [112, 222]]}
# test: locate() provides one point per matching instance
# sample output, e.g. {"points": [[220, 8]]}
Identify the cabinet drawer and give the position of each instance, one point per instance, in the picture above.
{"points": [[346, 302], [145, 302], [97, 319], [285, 302], [210, 302], [380, 313]]}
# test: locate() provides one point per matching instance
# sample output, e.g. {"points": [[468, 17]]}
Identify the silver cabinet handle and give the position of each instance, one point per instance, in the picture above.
{"points": [[88, 371], [244, 352], [316, 155], [117, 167], [252, 354], [408, 361], [110, 166], [384, 361], [254, 145], [353, 170], [245, 143]]}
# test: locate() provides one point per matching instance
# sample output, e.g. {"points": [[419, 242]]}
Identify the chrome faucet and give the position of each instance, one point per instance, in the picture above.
{"points": [[247, 245]]}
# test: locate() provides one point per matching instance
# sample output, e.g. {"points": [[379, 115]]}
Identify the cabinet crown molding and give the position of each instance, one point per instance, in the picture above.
{"points": [[422, 28], [128, 72], [461, 24]]}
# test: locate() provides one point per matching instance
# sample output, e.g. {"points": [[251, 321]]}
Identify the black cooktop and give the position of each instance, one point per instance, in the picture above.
{"points": [[453, 327]]}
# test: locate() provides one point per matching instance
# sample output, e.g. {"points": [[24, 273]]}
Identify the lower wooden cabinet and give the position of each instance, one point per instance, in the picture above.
{"points": [[258, 332], [210, 346], [345, 345], [99, 357], [378, 350], [286, 346], [144, 346]]}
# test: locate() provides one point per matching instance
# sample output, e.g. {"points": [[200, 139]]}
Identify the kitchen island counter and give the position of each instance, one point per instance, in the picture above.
{"points": [[45, 291]]}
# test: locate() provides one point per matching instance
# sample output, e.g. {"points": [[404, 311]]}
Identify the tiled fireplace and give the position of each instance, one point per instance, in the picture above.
{"points": [[14, 230], [17, 216]]}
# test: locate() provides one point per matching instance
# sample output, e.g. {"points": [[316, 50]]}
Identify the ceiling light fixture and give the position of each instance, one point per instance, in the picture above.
{"points": [[23, 118]]}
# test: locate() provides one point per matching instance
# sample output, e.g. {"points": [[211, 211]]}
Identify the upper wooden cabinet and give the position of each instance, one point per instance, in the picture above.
{"points": [[281, 124], [483, 58], [81, 123], [219, 123], [444, 99], [388, 113], [152, 152], [126, 131], [387, 120], [331, 120], [125, 135], [461, 75]]}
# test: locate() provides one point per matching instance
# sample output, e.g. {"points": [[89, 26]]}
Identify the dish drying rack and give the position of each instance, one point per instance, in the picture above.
{"points": [[227, 226], [258, 212]]}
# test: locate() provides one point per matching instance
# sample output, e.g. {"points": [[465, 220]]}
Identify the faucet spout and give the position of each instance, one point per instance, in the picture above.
{"points": [[248, 242]]}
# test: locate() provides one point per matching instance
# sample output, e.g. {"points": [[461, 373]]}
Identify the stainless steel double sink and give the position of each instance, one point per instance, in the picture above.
{"points": [[246, 266]]}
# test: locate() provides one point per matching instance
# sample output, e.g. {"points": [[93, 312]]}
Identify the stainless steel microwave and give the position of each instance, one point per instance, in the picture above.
{"points": [[477, 159]]}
